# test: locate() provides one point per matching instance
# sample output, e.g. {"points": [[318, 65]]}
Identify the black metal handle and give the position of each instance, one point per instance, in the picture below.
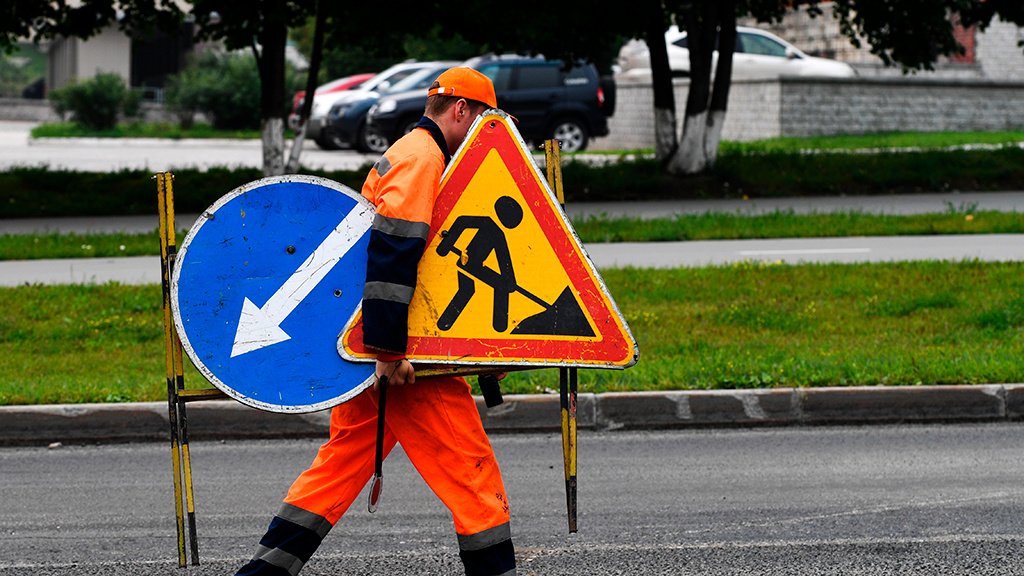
{"points": [[491, 389]]}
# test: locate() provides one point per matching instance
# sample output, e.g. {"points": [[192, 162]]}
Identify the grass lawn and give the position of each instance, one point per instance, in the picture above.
{"points": [[746, 325], [876, 141], [168, 130]]}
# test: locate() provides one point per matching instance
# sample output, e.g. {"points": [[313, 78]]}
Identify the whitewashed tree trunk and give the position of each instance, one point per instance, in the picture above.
{"points": [[691, 158], [273, 146], [712, 136], [296, 153], [664, 132]]}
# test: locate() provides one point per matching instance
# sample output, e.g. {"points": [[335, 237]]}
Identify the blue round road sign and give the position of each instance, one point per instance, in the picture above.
{"points": [[264, 283]]}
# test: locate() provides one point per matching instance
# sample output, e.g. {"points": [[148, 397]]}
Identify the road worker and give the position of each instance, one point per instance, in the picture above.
{"points": [[435, 419]]}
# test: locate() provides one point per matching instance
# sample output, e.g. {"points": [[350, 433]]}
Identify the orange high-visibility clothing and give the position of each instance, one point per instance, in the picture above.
{"points": [[403, 185], [435, 419]]}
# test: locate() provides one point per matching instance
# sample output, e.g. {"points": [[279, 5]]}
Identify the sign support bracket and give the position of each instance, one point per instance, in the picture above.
{"points": [[567, 377], [177, 394]]}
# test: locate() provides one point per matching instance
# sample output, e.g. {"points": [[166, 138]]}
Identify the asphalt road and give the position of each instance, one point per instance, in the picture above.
{"points": [[796, 501]]}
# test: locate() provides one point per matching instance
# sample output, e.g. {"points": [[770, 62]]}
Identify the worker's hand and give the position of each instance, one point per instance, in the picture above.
{"points": [[398, 373]]}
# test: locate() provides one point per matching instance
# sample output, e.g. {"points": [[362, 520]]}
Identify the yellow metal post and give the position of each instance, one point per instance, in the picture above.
{"points": [[167, 248], [567, 377], [176, 397]]}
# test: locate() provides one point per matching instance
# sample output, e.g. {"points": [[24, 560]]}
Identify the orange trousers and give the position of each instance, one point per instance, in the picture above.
{"points": [[439, 427]]}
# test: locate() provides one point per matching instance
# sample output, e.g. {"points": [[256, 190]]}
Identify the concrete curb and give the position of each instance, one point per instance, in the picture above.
{"points": [[224, 419]]}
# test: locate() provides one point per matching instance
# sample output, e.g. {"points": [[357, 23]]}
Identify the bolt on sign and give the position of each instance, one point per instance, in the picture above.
{"points": [[504, 279]]}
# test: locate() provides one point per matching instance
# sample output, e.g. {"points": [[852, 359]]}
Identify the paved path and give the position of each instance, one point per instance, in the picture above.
{"points": [[995, 247], [895, 204]]}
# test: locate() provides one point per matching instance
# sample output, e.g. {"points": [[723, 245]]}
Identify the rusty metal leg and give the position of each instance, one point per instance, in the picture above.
{"points": [[190, 505], [165, 203], [567, 380]]}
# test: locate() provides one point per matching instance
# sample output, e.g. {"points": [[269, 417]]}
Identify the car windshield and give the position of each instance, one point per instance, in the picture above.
{"points": [[416, 80], [388, 77]]}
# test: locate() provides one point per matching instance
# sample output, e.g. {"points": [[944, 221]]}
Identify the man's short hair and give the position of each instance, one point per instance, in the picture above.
{"points": [[438, 105]]}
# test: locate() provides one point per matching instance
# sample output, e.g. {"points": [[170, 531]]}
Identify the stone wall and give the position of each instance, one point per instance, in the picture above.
{"points": [[809, 106], [823, 107]]}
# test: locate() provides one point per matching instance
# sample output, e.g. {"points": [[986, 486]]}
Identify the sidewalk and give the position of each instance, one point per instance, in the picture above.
{"points": [[224, 419], [903, 204], [987, 247]]}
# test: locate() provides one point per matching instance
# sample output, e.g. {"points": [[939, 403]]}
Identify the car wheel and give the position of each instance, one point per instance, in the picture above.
{"points": [[371, 141], [571, 133]]}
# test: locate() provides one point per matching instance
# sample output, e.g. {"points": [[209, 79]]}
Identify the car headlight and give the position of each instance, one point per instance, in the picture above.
{"points": [[386, 106], [338, 111]]}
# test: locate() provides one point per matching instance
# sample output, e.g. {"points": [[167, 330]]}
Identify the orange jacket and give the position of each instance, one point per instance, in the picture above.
{"points": [[403, 185]]}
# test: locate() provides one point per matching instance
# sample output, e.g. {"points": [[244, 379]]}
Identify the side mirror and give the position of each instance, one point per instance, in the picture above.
{"points": [[791, 54]]}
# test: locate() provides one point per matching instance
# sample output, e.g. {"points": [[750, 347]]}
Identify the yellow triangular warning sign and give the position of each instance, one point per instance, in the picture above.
{"points": [[504, 279]]}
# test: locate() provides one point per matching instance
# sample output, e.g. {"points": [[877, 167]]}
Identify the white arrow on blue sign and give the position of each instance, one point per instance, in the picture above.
{"points": [[264, 282]]}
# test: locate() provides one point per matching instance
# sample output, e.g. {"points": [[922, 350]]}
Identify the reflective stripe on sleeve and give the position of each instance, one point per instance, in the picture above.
{"points": [[387, 291], [382, 166], [401, 228]]}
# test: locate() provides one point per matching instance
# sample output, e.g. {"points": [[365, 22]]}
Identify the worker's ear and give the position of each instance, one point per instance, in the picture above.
{"points": [[462, 108]]}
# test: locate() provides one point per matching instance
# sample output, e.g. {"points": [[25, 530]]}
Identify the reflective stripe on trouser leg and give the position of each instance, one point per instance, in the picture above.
{"points": [[446, 442], [294, 534], [488, 553], [323, 492]]}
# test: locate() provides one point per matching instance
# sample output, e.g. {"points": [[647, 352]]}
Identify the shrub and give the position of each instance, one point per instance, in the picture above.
{"points": [[97, 102], [225, 87]]}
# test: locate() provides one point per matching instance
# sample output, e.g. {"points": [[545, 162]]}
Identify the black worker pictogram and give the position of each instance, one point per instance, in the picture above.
{"points": [[564, 317]]}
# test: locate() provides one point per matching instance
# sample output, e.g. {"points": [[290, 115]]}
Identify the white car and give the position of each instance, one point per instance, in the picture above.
{"points": [[322, 103], [758, 54]]}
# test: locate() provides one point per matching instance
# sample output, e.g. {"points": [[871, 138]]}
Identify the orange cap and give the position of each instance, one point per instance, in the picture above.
{"points": [[465, 83]]}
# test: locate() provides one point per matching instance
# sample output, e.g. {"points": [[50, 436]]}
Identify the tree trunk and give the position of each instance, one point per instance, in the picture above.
{"points": [[311, 80], [701, 31], [273, 37], [723, 80], [665, 143]]}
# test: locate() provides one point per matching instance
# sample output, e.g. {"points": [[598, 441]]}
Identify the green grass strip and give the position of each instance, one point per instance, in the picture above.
{"points": [[711, 226], [875, 141], [786, 224], [168, 130], [740, 326]]}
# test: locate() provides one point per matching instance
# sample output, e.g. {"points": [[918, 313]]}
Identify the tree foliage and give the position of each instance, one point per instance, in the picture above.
{"points": [[40, 19]]}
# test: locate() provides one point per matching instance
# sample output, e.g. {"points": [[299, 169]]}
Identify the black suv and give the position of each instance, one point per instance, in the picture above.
{"points": [[549, 101]]}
